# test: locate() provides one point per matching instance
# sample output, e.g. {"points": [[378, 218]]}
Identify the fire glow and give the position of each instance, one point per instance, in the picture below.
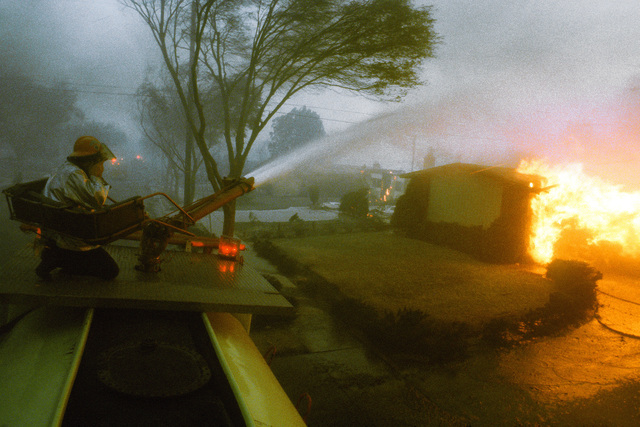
{"points": [[581, 215]]}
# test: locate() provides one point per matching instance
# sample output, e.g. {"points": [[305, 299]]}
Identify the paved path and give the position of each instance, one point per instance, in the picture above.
{"points": [[348, 384], [619, 310], [590, 376]]}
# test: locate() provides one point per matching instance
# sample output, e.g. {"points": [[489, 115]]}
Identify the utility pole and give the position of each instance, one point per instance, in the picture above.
{"points": [[413, 154]]}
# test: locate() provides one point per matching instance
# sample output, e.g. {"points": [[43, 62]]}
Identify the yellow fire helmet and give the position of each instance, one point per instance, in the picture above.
{"points": [[90, 146]]}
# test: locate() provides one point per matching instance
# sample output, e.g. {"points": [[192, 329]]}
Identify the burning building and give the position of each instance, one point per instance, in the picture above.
{"points": [[584, 217], [480, 210]]}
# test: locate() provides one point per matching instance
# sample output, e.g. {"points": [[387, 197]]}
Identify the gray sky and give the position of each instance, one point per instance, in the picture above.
{"points": [[511, 78], [99, 48]]}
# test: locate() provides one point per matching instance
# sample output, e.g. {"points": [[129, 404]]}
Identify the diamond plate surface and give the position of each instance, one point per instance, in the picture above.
{"points": [[187, 282]]}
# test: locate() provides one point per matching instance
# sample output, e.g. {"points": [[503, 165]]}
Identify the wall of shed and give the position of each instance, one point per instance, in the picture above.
{"points": [[467, 200], [486, 218]]}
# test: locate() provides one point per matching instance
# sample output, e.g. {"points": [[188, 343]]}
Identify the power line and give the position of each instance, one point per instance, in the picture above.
{"points": [[43, 82], [121, 91], [45, 85], [131, 94]]}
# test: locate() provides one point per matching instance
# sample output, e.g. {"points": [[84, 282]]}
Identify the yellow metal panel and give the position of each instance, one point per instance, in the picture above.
{"points": [[39, 358], [265, 399]]}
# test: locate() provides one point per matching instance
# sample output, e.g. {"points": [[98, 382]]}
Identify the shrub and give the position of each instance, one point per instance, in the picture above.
{"points": [[405, 217], [355, 203], [403, 330], [407, 331], [574, 303], [577, 280], [314, 195]]}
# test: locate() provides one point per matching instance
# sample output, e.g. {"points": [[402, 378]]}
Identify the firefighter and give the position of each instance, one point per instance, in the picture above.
{"points": [[79, 182]]}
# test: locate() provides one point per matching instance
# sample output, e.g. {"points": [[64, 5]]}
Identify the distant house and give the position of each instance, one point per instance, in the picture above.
{"points": [[481, 210], [385, 185], [335, 180]]}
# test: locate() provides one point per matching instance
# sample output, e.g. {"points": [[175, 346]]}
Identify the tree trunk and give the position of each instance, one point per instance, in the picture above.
{"points": [[228, 226], [188, 169], [189, 173]]}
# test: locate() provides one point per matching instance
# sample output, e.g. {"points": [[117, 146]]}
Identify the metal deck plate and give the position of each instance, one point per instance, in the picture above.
{"points": [[187, 282]]}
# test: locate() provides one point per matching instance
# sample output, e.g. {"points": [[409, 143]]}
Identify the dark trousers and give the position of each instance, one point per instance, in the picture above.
{"points": [[96, 262]]}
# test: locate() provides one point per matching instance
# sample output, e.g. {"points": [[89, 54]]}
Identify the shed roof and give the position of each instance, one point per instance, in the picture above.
{"points": [[507, 175]]}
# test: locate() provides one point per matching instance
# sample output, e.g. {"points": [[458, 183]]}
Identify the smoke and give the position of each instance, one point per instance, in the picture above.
{"points": [[99, 50], [510, 80], [478, 125]]}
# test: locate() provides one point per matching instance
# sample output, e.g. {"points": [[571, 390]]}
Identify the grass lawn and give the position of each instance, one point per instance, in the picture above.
{"points": [[390, 272]]}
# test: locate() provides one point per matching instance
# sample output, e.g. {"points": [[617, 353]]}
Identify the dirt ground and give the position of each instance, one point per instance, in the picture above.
{"points": [[588, 376]]}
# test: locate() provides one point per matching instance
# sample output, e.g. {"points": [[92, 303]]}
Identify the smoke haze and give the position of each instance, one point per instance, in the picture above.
{"points": [[510, 79]]}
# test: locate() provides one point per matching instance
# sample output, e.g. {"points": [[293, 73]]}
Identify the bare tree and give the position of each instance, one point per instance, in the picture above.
{"points": [[263, 52], [162, 122]]}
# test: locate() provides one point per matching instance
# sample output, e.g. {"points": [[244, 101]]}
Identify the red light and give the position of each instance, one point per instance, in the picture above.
{"points": [[226, 267], [227, 250], [138, 157], [197, 244], [229, 247]]}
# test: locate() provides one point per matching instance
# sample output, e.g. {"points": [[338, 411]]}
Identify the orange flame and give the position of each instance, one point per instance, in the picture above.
{"points": [[582, 216]]}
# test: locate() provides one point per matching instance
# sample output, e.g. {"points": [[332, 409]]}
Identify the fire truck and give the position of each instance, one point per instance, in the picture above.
{"points": [[165, 343]]}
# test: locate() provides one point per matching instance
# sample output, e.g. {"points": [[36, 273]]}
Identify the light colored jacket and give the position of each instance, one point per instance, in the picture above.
{"points": [[71, 185]]}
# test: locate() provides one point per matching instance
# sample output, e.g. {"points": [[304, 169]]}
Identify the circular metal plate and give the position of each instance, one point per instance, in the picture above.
{"points": [[153, 369]]}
